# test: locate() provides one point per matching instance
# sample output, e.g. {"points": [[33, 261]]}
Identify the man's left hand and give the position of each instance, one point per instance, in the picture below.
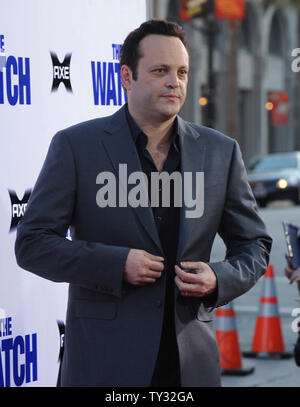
{"points": [[201, 282]]}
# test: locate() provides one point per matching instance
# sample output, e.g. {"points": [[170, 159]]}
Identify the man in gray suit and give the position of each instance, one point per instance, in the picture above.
{"points": [[141, 288]]}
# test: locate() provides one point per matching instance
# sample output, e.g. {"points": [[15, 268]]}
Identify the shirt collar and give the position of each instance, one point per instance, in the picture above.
{"points": [[136, 131]]}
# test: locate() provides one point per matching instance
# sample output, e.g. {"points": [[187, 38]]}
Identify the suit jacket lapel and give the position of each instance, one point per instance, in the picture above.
{"points": [[192, 160], [121, 149]]}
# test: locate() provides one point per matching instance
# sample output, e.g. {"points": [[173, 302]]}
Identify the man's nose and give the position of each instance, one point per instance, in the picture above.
{"points": [[172, 80]]}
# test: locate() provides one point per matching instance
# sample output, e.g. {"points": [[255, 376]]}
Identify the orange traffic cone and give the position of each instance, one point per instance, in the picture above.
{"points": [[228, 342], [268, 340]]}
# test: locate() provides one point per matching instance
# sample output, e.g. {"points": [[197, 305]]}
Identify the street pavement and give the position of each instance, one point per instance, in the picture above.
{"points": [[267, 372]]}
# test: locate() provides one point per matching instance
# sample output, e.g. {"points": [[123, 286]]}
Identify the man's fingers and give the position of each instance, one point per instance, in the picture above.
{"points": [[154, 258], [153, 274], [195, 284], [185, 288], [155, 265], [152, 270], [295, 278], [142, 267], [193, 265], [147, 280], [186, 277], [288, 273]]}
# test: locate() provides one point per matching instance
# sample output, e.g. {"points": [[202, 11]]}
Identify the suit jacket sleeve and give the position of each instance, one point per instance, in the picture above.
{"points": [[243, 232], [41, 245]]}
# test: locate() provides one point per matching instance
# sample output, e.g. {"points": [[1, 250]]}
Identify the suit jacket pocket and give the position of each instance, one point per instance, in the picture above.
{"points": [[95, 309], [200, 311]]}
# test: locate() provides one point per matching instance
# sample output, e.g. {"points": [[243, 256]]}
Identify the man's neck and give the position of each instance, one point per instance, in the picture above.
{"points": [[159, 133]]}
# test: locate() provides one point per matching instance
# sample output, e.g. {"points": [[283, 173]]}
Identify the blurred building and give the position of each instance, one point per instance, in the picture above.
{"points": [[267, 110]]}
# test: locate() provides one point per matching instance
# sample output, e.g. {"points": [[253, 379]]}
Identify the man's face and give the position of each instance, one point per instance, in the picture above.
{"points": [[162, 76]]}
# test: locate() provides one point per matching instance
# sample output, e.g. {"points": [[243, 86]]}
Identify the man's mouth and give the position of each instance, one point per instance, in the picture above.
{"points": [[171, 96]]}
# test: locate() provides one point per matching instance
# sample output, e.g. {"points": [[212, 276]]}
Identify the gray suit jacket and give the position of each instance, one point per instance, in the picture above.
{"points": [[113, 328]]}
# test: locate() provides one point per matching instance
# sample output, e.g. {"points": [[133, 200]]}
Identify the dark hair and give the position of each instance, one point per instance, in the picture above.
{"points": [[130, 52]]}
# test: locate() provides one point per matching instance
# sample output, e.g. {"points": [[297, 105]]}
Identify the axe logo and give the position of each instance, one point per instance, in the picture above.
{"points": [[17, 207], [61, 72]]}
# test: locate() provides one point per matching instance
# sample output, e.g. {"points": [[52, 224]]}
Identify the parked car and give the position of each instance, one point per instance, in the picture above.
{"points": [[275, 176]]}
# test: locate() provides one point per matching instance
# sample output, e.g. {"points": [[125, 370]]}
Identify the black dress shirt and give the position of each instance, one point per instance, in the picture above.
{"points": [[167, 371]]}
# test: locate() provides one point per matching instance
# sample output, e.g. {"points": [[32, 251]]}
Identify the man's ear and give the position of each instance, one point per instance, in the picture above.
{"points": [[126, 77]]}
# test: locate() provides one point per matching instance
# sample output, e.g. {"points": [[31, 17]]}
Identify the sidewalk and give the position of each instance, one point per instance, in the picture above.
{"points": [[267, 373]]}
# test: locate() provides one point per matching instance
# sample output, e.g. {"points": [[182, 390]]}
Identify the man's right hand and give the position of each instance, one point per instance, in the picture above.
{"points": [[142, 267]]}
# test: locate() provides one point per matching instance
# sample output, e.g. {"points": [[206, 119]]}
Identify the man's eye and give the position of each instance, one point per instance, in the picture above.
{"points": [[159, 70]]}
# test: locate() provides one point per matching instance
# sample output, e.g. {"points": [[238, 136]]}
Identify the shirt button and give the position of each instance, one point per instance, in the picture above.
{"points": [[159, 218]]}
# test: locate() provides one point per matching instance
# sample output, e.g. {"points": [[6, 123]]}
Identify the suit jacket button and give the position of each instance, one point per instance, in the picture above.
{"points": [[158, 303]]}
